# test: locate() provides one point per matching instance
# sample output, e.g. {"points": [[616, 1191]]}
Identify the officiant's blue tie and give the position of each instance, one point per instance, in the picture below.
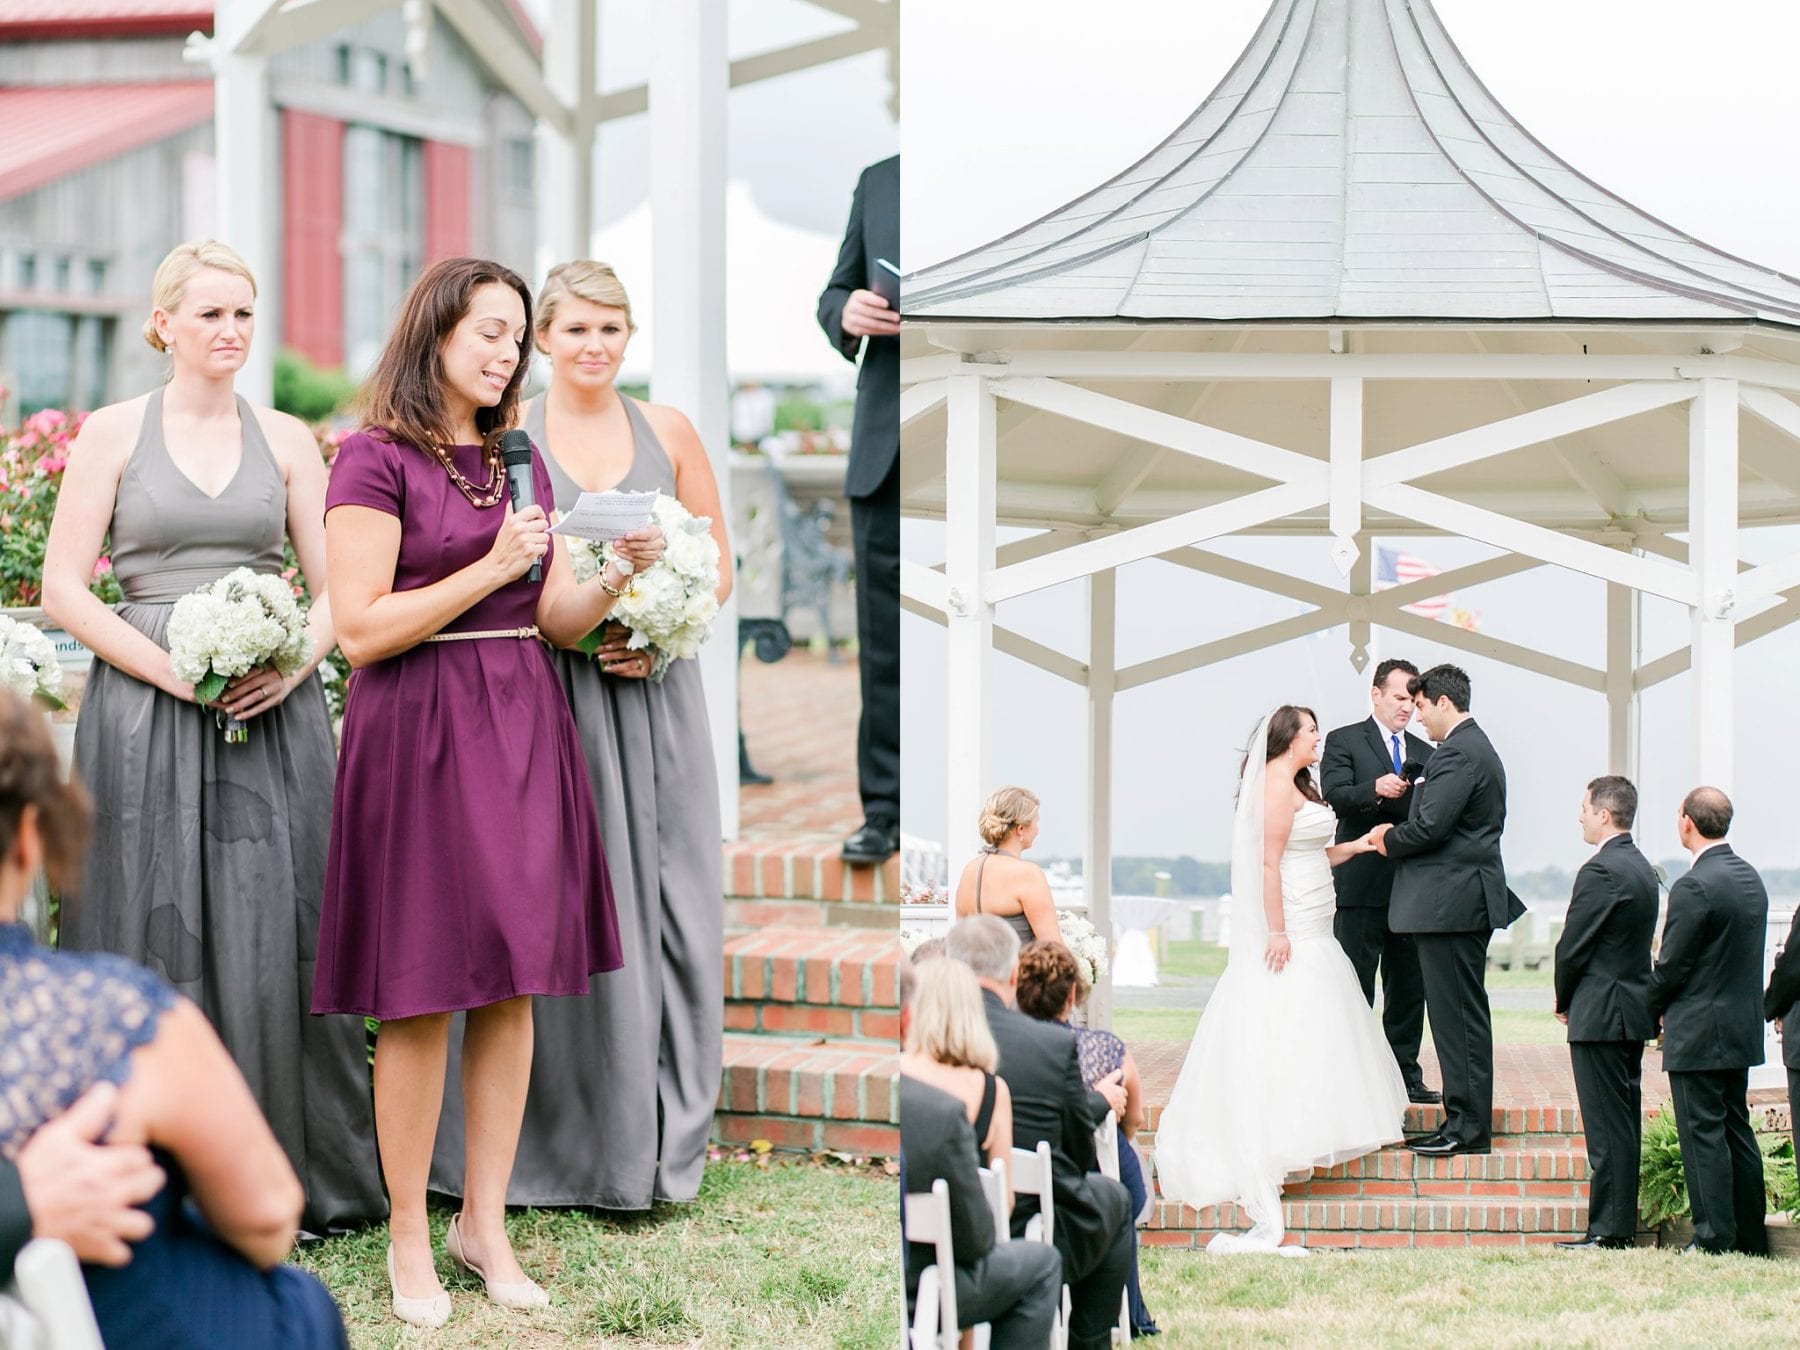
{"points": [[1398, 763]]}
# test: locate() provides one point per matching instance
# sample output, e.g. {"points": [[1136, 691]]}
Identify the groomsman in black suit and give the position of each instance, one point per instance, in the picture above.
{"points": [[1015, 1287], [1050, 1102], [1450, 891], [1781, 1002], [1705, 989], [857, 314], [1603, 997], [1365, 777]]}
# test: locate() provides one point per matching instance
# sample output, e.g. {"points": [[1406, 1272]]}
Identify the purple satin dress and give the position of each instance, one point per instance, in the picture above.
{"points": [[465, 865]]}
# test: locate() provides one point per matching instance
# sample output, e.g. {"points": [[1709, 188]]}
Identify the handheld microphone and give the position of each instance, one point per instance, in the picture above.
{"points": [[515, 452], [1411, 769]]}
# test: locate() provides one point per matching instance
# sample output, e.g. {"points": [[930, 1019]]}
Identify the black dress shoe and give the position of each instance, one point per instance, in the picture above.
{"points": [[1444, 1147], [876, 842], [1424, 1096], [1604, 1244]]}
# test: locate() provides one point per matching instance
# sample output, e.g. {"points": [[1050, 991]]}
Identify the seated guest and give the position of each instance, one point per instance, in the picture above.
{"points": [[1602, 996], [1000, 881], [1015, 1287], [948, 1046], [210, 1273], [1039, 1062], [1051, 987], [69, 1187]]}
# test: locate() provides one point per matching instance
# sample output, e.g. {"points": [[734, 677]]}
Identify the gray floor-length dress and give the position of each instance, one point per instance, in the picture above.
{"points": [[208, 859], [625, 1078]]}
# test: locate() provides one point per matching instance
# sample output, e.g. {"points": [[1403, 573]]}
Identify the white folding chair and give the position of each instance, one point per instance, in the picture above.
{"points": [[52, 1296], [1031, 1176], [993, 1185], [934, 1315], [1106, 1150]]}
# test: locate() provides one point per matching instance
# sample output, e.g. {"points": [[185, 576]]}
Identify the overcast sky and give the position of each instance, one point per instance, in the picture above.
{"points": [[1014, 106]]}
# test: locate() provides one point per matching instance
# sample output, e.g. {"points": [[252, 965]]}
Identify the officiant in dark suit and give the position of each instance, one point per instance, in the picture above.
{"points": [[857, 314], [1450, 892], [1039, 1064], [1781, 1003], [1363, 775], [1603, 997], [1706, 989]]}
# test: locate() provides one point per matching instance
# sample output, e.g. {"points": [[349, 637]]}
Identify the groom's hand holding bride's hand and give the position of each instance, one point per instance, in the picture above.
{"points": [[1378, 837]]}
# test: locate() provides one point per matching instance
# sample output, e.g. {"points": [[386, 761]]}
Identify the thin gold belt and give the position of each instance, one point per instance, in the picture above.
{"points": [[484, 633]]}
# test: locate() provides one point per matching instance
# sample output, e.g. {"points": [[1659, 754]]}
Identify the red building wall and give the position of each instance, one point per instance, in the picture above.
{"points": [[313, 208], [449, 201]]}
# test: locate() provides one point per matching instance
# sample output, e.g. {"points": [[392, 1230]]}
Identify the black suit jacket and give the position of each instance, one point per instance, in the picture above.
{"points": [[937, 1141], [1355, 756], [1603, 955], [1050, 1101], [1782, 998], [1708, 978], [1449, 877], [873, 232]]}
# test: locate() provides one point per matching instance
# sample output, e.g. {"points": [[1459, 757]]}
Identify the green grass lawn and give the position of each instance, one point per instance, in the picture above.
{"points": [[789, 1254], [1494, 1298]]}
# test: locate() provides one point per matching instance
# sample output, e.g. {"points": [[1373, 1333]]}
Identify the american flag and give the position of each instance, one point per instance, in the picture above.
{"points": [[1394, 568]]}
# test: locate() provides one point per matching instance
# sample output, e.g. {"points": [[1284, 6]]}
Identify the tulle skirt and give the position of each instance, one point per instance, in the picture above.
{"points": [[1286, 1073]]}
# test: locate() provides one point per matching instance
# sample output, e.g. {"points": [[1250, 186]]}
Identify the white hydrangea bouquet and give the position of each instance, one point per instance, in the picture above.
{"points": [[243, 620], [670, 607], [1090, 949], [28, 663]]}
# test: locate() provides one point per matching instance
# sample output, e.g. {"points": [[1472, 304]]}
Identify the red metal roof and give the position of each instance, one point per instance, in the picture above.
{"points": [[48, 133], [24, 20]]}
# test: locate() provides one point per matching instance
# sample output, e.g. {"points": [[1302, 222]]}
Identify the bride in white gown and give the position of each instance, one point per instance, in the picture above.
{"points": [[1289, 1069]]}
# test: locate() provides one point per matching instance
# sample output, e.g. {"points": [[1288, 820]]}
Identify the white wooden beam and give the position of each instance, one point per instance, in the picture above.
{"points": [[1127, 475], [1768, 580], [970, 457], [924, 586], [1494, 649], [1670, 664], [1165, 429], [569, 161], [1713, 551], [499, 47], [920, 399], [1165, 365], [634, 99], [1361, 581], [1346, 469], [1225, 648], [917, 369], [1623, 607], [1779, 466], [1096, 867], [266, 27], [1518, 536], [245, 138], [1147, 541], [1444, 453]]}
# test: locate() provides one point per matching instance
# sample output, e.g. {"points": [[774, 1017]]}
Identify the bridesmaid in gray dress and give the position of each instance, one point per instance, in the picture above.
{"points": [[624, 1080], [207, 859]]}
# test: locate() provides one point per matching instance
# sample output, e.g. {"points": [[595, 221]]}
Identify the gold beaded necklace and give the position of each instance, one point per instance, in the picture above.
{"points": [[479, 496]]}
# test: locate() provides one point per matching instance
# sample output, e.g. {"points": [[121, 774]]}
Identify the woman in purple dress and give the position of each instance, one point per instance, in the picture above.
{"points": [[466, 870]]}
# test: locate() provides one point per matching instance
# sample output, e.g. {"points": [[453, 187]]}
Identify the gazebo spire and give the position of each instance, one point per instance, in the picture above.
{"points": [[1351, 165]]}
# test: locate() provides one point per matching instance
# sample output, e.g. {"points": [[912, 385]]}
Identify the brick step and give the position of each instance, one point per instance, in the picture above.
{"points": [[1524, 1163], [800, 882], [1502, 1144], [1374, 1222], [808, 983], [842, 1096], [1510, 1122]]}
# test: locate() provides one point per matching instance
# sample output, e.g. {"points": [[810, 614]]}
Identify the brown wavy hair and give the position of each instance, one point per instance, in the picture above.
{"points": [[403, 398], [30, 776], [1284, 725], [1047, 972]]}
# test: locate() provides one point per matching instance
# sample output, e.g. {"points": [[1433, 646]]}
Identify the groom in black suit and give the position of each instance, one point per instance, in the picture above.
{"points": [[1603, 997], [1365, 777], [1450, 891], [1707, 989]]}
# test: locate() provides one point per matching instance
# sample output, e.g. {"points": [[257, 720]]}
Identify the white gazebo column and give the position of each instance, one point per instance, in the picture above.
{"points": [[1096, 866], [969, 507], [244, 147], [690, 77], [1622, 606], [1713, 557], [568, 176]]}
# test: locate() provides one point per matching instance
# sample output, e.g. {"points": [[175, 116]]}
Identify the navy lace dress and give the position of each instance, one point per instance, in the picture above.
{"points": [[1101, 1053], [67, 1022]]}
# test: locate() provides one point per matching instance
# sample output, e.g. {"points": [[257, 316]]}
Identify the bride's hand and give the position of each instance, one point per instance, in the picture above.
{"points": [[1277, 951]]}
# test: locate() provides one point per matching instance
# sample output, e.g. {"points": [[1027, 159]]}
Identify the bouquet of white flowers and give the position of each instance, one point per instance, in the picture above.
{"points": [[1089, 947], [28, 663], [670, 607], [243, 620]]}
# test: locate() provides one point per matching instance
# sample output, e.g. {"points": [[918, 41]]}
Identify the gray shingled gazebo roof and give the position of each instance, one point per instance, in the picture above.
{"points": [[1350, 166]]}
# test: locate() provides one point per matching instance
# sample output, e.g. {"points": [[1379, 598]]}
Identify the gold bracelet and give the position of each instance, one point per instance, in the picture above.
{"points": [[614, 591]]}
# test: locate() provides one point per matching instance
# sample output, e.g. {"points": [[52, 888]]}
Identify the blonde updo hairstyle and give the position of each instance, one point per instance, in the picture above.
{"points": [[583, 279], [177, 269], [1004, 811], [949, 1022]]}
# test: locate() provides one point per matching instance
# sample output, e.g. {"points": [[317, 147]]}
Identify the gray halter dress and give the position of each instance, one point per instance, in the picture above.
{"points": [[625, 1078], [207, 859]]}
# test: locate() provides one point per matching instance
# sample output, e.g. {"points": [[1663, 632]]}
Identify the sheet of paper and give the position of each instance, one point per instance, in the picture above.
{"points": [[605, 516]]}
